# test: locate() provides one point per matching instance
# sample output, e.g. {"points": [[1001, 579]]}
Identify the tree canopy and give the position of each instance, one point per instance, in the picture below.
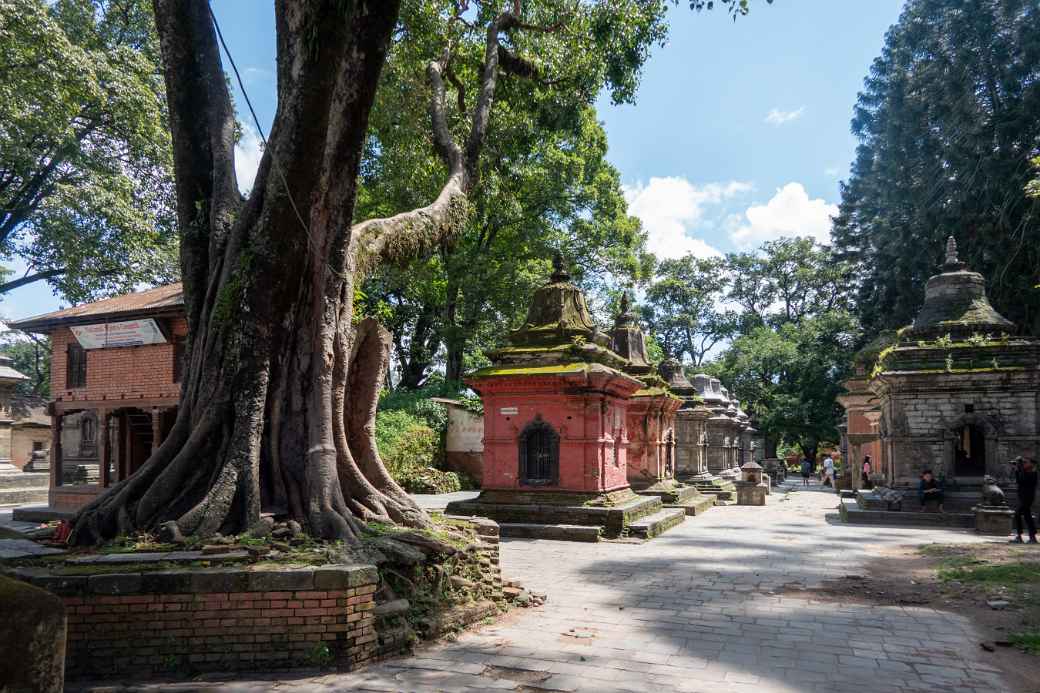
{"points": [[795, 343], [85, 161], [544, 181], [683, 307], [947, 124]]}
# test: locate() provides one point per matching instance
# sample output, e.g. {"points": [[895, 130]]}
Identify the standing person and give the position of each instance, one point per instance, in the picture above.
{"points": [[1025, 479], [807, 470], [828, 471], [866, 473]]}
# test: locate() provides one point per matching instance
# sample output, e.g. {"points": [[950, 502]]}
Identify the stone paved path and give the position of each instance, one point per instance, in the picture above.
{"points": [[697, 609]]}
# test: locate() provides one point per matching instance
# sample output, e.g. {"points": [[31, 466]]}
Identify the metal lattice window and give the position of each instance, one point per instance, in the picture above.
{"points": [[539, 454]]}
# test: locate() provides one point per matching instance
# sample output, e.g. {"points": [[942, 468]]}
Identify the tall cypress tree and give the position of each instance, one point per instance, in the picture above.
{"points": [[948, 121]]}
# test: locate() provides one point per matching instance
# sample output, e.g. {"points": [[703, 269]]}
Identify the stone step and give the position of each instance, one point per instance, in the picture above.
{"points": [[530, 530], [40, 513], [24, 480], [852, 513], [18, 496], [694, 505], [658, 523]]}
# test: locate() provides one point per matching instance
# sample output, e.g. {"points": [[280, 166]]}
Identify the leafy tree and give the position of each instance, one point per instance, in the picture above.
{"points": [[30, 356], [281, 383], [683, 307], [545, 186], [947, 127], [795, 343], [85, 188]]}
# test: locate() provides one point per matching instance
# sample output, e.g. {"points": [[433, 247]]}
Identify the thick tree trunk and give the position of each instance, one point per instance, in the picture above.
{"points": [[269, 287], [280, 393]]}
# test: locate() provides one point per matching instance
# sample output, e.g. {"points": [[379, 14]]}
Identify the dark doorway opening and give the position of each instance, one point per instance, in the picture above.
{"points": [[539, 454], [970, 451]]}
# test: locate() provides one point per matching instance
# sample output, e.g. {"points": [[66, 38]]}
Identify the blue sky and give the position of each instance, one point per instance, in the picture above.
{"points": [[740, 133]]}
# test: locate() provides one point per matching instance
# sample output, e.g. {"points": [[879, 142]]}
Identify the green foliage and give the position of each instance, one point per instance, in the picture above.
{"points": [[319, 656], [86, 198], [1030, 642], [796, 341], [947, 126], [410, 449], [682, 307], [545, 183], [31, 357]]}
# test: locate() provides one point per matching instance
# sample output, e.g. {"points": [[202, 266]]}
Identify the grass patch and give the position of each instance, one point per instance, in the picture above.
{"points": [[1030, 642], [1010, 575]]}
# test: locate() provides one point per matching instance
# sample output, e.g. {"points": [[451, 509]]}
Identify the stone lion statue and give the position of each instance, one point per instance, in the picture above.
{"points": [[992, 495]]}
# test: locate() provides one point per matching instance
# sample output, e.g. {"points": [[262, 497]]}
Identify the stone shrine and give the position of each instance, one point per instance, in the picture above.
{"points": [[16, 486], [752, 487], [693, 446], [956, 392], [556, 438], [651, 423]]}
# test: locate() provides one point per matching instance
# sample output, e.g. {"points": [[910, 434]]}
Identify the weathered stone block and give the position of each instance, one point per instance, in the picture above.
{"points": [[994, 520], [276, 580], [344, 576], [32, 638], [751, 494], [118, 583], [221, 580]]}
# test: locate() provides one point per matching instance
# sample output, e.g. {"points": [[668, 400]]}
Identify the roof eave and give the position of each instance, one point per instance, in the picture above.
{"points": [[48, 325]]}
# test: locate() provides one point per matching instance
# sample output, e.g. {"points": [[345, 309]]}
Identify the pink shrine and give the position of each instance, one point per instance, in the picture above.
{"points": [[556, 428]]}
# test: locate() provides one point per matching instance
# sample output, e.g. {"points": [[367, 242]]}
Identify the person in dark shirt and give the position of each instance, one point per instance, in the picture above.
{"points": [[1025, 479], [929, 490], [807, 470]]}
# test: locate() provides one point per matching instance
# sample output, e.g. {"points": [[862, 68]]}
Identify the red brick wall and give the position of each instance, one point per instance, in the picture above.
{"points": [[149, 634], [123, 372]]}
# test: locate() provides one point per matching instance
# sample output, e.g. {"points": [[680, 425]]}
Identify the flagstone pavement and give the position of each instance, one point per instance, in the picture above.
{"points": [[701, 608]]}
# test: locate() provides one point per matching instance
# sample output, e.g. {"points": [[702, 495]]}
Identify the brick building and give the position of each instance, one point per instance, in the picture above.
{"points": [[115, 384]]}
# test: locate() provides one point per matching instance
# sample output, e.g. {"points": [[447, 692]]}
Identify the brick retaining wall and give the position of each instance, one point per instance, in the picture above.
{"points": [[217, 619], [153, 623]]}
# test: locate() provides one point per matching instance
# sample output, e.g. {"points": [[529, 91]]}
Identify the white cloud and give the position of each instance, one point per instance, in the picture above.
{"points": [[248, 151], [789, 213], [778, 117], [833, 171], [671, 207]]}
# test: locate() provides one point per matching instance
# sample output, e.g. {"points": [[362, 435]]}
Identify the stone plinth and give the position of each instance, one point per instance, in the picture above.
{"points": [[995, 520], [749, 493]]}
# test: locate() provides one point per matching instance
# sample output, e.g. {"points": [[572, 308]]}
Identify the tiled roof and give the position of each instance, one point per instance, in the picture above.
{"points": [[162, 299]]}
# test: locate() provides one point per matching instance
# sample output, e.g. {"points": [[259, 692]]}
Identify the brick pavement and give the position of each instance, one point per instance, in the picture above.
{"points": [[700, 608]]}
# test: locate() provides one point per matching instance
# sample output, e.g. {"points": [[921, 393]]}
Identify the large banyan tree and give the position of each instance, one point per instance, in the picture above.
{"points": [[281, 385]]}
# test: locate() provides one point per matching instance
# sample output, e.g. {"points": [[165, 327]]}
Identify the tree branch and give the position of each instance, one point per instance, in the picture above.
{"points": [[202, 125], [29, 279]]}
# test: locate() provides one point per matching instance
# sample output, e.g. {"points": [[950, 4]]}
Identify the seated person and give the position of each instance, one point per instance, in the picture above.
{"points": [[929, 490]]}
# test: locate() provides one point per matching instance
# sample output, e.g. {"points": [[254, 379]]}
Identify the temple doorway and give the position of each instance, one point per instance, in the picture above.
{"points": [[539, 454], [970, 451]]}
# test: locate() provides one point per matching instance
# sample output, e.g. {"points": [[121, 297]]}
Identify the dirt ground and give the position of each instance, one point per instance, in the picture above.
{"points": [[911, 576]]}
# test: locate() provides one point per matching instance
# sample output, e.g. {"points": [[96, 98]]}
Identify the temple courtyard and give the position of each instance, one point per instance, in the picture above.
{"points": [[723, 603]]}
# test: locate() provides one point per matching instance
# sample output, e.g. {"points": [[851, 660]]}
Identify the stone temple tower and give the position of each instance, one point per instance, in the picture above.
{"points": [[958, 390]]}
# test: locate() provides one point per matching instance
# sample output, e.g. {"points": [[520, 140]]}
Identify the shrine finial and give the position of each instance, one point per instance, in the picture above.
{"points": [[560, 273], [951, 251]]}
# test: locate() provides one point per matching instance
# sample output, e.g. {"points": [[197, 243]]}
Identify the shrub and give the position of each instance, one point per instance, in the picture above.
{"points": [[410, 448]]}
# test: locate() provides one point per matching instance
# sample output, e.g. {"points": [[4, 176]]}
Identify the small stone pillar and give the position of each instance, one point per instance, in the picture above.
{"points": [[752, 487]]}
